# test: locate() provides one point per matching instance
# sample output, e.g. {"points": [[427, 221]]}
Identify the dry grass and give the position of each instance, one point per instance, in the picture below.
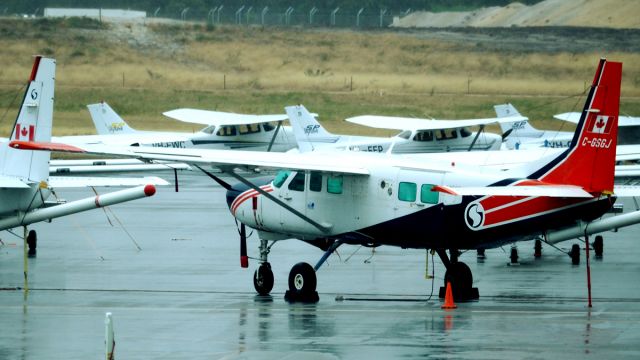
{"points": [[145, 70]]}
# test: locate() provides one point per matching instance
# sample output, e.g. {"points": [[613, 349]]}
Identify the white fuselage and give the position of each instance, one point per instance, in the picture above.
{"points": [[254, 138]]}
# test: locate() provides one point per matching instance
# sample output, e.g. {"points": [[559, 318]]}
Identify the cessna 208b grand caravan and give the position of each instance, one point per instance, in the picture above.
{"points": [[328, 199], [25, 184]]}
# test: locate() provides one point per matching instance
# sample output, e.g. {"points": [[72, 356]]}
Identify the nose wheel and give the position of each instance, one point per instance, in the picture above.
{"points": [[263, 279], [302, 284]]}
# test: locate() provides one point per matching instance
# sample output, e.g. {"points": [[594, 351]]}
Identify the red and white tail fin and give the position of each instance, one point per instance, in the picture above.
{"points": [[590, 160], [33, 123]]}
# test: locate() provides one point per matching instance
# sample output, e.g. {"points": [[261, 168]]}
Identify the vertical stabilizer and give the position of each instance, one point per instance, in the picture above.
{"points": [[33, 123], [520, 127], [107, 121], [590, 160], [307, 129]]}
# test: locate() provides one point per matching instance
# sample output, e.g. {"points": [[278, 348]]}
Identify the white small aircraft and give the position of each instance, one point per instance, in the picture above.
{"points": [[328, 198], [416, 136], [25, 184], [223, 131], [629, 127], [520, 134]]}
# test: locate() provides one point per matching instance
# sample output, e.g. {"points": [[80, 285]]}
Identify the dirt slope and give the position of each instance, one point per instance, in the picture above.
{"points": [[584, 13]]}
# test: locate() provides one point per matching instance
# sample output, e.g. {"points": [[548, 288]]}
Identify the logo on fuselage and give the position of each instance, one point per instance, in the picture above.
{"points": [[474, 215]]}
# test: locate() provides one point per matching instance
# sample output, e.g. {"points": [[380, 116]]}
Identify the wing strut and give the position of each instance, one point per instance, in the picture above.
{"points": [[476, 138], [275, 133], [323, 228]]}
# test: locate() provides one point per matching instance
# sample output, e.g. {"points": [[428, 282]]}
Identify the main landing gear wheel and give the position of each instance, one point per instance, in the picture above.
{"points": [[263, 279], [575, 254], [461, 280], [302, 284], [32, 242], [598, 246]]}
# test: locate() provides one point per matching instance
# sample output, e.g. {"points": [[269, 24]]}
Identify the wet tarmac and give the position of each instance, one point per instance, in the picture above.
{"points": [[183, 295]]}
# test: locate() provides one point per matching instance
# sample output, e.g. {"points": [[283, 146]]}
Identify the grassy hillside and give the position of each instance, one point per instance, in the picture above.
{"points": [[145, 69]]}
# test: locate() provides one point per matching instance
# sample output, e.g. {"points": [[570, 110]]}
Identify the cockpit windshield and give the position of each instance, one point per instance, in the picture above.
{"points": [[209, 129], [280, 178]]}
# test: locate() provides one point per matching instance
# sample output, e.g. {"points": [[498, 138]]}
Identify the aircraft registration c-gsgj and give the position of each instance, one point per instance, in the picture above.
{"points": [[329, 199]]}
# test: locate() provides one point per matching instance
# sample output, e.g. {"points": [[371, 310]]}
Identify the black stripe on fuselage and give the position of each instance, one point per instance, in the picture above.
{"points": [[445, 227]]}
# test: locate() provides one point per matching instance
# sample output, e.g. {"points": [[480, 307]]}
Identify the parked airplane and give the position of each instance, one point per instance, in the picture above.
{"points": [[520, 134], [25, 184], [371, 200], [223, 131], [629, 133], [416, 136]]}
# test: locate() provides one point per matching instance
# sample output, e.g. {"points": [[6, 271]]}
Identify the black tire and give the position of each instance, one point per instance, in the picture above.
{"points": [[263, 279], [302, 280], [598, 245], [461, 279], [575, 254], [32, 242]]}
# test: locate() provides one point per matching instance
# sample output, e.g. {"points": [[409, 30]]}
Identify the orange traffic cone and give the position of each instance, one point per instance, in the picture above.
{"points": [[448, 298]]}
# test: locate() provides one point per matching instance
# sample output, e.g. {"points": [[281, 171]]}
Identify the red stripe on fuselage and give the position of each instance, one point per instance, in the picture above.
{"points": [[522, 208], [248, 195]]}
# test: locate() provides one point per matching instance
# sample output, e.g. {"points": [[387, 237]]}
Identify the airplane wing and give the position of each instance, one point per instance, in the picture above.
{"points": [[574, 117], [563, 191], [207, 117], [219, 158], [627, 152], [58, 182], [402, 123]]}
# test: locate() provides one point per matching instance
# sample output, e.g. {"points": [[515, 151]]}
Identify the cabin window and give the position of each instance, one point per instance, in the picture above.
{"points": [[280, 178], [427, 196], [209, 129], [249, 129], [464, 132], [443, 135], [297, 183], [315, 181], [423, 136], [268, 127], [405, 134], [407, 191], [334, 184], [227, 130]]}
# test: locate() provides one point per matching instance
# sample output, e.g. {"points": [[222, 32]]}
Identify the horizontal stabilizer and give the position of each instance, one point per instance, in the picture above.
{"points": [[626, 190], [12, 183]]}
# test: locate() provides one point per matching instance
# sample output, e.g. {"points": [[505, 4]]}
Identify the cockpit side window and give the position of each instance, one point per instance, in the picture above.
{"points": [[315, 181], [227, 130], [423, 135], [209, 129], [297, 183], [464, 132], [280, 178], [268, 126]]}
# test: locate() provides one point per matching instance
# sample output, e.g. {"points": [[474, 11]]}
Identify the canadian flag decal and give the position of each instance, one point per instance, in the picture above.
{"points": [[601, 125], [25, 133]]}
